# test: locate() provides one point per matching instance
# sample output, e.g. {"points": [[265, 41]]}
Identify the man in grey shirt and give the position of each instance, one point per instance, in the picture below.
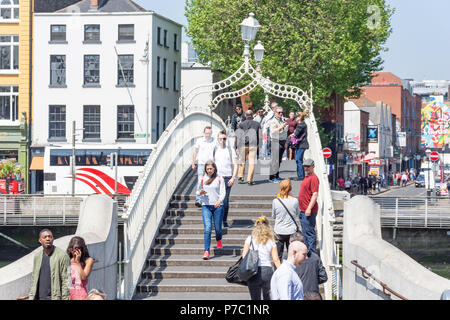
{"points": [[285, 283], [278, 133]]}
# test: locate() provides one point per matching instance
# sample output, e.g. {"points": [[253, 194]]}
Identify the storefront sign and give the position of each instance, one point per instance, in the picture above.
{"points": [[375, 162]]}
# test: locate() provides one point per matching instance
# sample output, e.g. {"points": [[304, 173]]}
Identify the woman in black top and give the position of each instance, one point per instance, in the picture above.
{"points": [[299, 140]]}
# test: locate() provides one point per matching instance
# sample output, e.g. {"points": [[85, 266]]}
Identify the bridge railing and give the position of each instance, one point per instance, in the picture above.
{"points": [[414, 212], [152, 193]]}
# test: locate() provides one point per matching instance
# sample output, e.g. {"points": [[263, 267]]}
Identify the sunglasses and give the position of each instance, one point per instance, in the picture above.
{"points": [[222, 138], [280, 112]]}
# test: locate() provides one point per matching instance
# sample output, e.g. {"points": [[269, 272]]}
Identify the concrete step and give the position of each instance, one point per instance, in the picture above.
{"points": [[191, 260], [189, 296], [233, 204], [231, 239], [185, 272], [232, 197], [198, 229], [195, 249], [189, 285], [232, 212], [241, 220]]}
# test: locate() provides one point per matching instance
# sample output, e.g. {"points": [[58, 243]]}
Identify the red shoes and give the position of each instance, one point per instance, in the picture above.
{"points": [[219, 244], [206, 255]]}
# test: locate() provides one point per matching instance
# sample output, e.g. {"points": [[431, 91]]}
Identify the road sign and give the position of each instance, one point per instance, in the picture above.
{"points": [[326, 153], [434, 156]]}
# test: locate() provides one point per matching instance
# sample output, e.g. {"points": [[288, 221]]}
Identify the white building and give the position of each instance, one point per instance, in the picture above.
{"points": [[90, 66]]}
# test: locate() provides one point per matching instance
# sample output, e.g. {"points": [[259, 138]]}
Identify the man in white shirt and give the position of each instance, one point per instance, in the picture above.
{"points": [[225, 158], [266, 132], [285, 283], [278, 133], [203, 148]]}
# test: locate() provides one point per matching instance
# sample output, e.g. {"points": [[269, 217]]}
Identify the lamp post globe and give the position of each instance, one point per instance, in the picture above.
{"points": [[259, 51], [249, 28]]}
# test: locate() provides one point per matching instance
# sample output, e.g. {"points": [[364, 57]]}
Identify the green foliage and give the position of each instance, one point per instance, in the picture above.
{"points": [[332, 44]]}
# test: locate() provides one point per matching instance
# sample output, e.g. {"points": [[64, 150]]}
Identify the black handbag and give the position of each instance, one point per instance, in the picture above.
{"points": [[249, 264], [232, 275], [298, 235]]}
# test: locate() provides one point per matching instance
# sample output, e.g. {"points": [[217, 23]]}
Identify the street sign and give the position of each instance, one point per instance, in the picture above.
{"points": [[326, 153], [434, 156]]}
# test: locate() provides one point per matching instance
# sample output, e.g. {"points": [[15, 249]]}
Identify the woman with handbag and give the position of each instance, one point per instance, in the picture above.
{"points": [[284, 210], [212, 193], [299, 139], [262, 240]]}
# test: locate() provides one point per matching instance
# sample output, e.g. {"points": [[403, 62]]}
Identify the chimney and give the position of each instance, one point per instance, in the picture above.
{"points": [[94, 4]]}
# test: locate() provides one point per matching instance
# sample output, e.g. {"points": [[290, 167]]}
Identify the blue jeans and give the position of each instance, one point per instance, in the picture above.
{"points": [[299, 161], [309, 232], [200, 174], [226, 201], [208, 214]]}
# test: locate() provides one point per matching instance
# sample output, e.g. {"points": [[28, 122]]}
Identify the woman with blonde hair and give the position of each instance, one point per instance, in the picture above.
{"points": [[262, 239], [284, 210], [299, 140]]}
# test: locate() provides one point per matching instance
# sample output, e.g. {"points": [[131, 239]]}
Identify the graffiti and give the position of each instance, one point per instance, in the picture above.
{"points": [[435, 125], [352, 141]]}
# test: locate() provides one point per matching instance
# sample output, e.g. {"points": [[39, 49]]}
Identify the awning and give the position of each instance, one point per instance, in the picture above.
{"points": [[37, 163]]}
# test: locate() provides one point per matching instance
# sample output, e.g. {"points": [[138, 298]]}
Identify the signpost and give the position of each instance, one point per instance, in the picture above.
{"points": [[434, 156], [326, 153]]}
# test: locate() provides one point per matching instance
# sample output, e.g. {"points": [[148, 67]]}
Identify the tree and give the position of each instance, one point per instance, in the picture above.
{"points": [[334, 45]]}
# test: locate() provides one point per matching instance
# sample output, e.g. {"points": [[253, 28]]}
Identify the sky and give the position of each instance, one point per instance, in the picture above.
{"points": [[419, 45]]}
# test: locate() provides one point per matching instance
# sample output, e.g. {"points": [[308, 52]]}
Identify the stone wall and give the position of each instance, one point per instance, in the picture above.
{"points": [[363, 243], [98, 227]]}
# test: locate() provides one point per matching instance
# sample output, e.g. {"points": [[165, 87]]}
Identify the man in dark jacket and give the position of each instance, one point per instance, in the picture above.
{"points": [[248, 141], [237, 118], [312, 273], [301, 134]]}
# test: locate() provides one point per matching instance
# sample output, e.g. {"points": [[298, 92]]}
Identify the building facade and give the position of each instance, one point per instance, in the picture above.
{"points": [[111, 67], [15, 81]]}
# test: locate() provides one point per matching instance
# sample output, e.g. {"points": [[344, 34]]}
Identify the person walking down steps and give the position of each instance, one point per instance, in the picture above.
{"points": [[211, 191]]}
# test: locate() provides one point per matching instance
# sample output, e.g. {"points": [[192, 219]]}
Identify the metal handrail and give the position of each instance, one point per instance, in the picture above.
{"points": [[381, 283]]}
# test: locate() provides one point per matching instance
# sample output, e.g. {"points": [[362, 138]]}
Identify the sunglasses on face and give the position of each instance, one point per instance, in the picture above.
{"points": [[222, 138]]}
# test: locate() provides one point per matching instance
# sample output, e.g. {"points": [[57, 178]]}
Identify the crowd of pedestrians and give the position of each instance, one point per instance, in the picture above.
{"points": [[62, 275]]}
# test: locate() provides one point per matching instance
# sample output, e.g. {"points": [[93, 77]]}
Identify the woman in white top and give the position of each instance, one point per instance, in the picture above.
{"points": [[285, 224], [263, 240], [211, 190]]}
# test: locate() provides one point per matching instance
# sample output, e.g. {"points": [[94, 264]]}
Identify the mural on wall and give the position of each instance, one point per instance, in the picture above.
{"points": [[352, 141], [435, 125]]}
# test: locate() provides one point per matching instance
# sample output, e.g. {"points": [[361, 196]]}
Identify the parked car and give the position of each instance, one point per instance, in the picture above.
{"points": [[420, 181]]}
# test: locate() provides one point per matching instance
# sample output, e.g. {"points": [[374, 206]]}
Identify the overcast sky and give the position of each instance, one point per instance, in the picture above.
{"points": [[418, 47]]}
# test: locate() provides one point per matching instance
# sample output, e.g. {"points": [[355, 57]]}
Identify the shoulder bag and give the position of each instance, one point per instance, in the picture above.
{"points": [[232, 275], [298, 235], [249, 264]]}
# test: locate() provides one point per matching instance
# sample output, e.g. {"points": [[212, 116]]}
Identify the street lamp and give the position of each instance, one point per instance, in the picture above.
{"points": [[258, 50], [249, 28]]}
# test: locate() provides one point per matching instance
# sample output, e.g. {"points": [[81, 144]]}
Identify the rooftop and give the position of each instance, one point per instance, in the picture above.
{"points": [[107, 6]]}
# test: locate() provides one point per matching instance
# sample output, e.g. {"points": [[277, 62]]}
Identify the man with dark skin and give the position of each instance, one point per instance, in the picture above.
{"points": [[50, 275]]}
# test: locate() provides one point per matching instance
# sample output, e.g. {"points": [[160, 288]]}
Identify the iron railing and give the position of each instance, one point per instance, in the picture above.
{"points": [[367, 275]]}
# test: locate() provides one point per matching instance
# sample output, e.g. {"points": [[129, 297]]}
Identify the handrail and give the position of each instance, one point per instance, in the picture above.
{"points": [[381, 283]]}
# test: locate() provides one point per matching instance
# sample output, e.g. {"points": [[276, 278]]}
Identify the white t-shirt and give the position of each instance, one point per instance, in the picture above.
{"points": [[205, 149], [265, 258], [348, 184], [223, 161]]}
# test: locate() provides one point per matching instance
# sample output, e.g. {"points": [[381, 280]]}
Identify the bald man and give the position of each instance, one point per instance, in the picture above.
{"points": [[285, 283]]}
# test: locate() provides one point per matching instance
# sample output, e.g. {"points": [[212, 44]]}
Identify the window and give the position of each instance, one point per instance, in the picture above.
{"points": [[125, 69], [92, 32], [57, 122], [58, 70], [158, 36], [165, 39], [91, 69], [9, 9], [91, 122], [9, 52], [175, 42], [164, 118], [165, 73], [157, 121], [125, 122], [58, 33], [9, 101], [97, 157], [158, 72], [126, 32], [175, 87]]}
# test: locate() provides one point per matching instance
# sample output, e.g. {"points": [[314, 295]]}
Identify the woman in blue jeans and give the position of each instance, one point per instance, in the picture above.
{"points": [[211, 190], [299, 140]]}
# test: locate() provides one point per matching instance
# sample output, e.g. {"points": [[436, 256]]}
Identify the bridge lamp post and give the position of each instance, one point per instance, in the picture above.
{"points": [[249, 28]]}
